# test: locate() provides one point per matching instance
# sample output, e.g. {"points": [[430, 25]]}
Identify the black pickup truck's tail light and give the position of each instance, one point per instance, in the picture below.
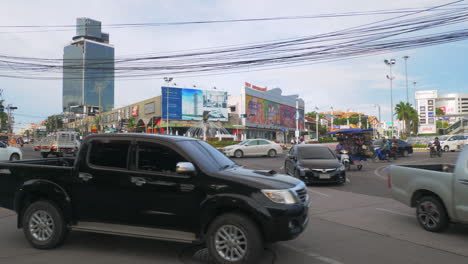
{"points": [[302, 194]]}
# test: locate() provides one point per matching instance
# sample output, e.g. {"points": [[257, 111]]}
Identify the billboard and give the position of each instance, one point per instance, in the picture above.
{"points": [[193, 104], [288, 116]]}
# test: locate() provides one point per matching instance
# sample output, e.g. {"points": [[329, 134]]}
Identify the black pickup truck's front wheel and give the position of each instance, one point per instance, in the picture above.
{"points": [[234, 238], [43, 225]]}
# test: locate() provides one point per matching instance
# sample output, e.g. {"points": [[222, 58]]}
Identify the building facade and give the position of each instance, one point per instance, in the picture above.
{"points": [[88, 69]]}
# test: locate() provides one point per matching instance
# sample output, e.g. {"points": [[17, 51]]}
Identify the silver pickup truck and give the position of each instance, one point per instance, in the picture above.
{"points": [[439, 192]]}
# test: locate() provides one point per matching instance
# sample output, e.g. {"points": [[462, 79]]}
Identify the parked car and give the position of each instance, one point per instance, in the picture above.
{"points": [[155, 186], [439, 191], [314, 163], [10, 153], [253, 147], [453, 142], [404, 148]]}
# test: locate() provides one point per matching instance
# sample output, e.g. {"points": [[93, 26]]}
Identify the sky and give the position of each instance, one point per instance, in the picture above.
{"points": [[357, 84]]}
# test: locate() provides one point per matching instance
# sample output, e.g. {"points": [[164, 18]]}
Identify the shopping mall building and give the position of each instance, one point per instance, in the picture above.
{"points": [[255, 113]]}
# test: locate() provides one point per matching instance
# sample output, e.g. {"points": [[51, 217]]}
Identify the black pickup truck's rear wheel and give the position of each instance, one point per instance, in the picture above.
{"points": [[431, 214], [234, 238], [43, 225]]}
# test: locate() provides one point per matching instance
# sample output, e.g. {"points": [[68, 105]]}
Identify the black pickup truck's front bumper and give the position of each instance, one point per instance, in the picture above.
{"points": [[286, 223]]}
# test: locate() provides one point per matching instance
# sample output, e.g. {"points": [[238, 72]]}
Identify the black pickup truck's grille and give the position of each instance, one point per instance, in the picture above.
{"points": [[302, 194]]}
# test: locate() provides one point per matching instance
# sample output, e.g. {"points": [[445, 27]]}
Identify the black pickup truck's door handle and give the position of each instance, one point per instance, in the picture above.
{"points": [[85, 176], [138, 181]]}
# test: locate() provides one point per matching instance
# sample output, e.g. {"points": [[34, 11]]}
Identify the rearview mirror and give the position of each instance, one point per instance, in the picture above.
{"points": [[185, 168]]}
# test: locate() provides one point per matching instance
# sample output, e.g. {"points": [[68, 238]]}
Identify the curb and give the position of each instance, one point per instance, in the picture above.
{"points": [[420, 150]]}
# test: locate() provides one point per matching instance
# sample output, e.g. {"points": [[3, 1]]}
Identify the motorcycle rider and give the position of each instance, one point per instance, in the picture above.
{"points": [[437, 144]]}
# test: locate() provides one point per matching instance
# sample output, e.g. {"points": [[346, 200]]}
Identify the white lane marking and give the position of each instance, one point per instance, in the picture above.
{"points": [[376, 172], [312, 254], [348, 180], [393, 212], [282, 167], [319, 193]]}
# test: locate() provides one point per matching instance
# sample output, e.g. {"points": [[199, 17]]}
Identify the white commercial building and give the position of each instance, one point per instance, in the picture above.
{"points": [[454, 105]]}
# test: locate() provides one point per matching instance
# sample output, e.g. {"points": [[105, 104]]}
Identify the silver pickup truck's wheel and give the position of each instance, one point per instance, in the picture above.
{"points": [[431, 214], [43, 225], [234, 238]]}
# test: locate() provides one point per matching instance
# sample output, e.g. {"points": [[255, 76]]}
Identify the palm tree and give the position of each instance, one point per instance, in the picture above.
{"points": [[404, 111]]}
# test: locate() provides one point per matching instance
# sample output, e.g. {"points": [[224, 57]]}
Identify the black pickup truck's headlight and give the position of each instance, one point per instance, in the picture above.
{"points": [[280, 196]]}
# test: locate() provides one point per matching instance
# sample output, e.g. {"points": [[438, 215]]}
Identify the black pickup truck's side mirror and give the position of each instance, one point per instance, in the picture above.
{"points": [[185, 168]]}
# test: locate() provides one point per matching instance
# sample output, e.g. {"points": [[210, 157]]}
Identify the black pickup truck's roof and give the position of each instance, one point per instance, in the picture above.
{"points": [[139, 135]]}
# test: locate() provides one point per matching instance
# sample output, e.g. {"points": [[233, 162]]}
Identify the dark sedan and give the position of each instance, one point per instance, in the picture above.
{"points": [[404, 148], [314, 164]]}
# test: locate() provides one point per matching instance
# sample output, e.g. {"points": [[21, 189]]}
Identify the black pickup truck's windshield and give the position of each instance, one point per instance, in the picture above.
{"points": [[205, 155]]}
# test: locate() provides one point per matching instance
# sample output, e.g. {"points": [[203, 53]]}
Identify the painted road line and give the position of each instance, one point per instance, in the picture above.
{"points": [[393, 212], [319, 193], [312, 254]]}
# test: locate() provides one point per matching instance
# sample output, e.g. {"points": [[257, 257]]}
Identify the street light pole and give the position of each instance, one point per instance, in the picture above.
{"points": [[333, 115], [390, 63], [406, 73], [167, 80], [414, 93]]}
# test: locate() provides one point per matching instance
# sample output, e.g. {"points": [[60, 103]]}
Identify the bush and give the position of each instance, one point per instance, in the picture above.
{"points": [[221, 144], [419, 145], [327, 140]]}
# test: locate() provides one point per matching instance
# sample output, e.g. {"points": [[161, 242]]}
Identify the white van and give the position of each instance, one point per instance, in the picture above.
{"points": [[453, 142]]}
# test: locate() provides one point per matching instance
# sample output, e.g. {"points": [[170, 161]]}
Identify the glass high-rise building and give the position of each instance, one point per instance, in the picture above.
{"points": [[88, 74]]}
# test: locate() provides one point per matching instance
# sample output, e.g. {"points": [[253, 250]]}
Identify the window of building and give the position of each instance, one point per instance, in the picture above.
{"points": [[113, 153], [157, 158]]}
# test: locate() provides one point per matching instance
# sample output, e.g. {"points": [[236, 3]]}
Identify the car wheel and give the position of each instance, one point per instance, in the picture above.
{"points": [[14, 157], [297, 174], [405, 153], [272, 153], [238, 154], [431, 214], [44, 154], [44, 225], [359, 167], [234, 238], [286, 171], [446, 148]]}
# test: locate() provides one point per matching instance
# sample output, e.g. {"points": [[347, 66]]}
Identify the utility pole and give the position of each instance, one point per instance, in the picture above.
{"points": [[406, 73], [414, 93], [316, 123], [167, 80]]}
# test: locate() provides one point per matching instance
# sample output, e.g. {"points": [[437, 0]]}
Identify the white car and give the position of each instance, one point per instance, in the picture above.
{"points": [[253, 147], [453, 142], [9, 153]]}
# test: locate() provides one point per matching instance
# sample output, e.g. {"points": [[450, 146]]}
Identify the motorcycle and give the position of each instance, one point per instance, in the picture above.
{"points": [[380, 155], [392, 153], [345, 159], [433, 151]]}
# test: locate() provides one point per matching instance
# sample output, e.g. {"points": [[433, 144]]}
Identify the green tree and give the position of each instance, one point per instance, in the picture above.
{"points": [[403, 112], [439, 112], [313, 114], [131, 124], [54, 123]]}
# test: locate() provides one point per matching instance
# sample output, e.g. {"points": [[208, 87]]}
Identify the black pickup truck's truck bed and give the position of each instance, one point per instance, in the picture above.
{"points": [[14, 174]]}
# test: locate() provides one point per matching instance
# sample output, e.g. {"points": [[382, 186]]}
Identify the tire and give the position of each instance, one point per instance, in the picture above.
{"points": [[359, 167], [431, 214], [14, 157], [272, 153], [44, 154], [405, 153], [38, 212], [348, 166], [432, 154], [248, 238], [238, 154], [446, 149], [286, 169], [439, 153]]}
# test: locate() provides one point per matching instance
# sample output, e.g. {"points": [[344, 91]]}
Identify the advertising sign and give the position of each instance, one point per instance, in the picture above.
{"points": [[135, 110], [288, 116], [194, 104], [149, 108], [255, 110], [272, 111]]}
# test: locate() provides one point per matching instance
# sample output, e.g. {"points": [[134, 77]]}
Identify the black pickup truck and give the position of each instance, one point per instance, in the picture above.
{"points": [[153, 186]]}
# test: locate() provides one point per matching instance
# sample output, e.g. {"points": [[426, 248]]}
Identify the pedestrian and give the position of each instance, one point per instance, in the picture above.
{"points": [[302, 141], [293, 141]]}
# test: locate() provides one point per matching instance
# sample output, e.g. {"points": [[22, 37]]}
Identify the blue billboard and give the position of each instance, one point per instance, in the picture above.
{"points": [[193, 104]]}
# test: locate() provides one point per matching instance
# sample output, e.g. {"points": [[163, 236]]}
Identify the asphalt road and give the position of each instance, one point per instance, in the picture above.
{"points": [[353, 223]]}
